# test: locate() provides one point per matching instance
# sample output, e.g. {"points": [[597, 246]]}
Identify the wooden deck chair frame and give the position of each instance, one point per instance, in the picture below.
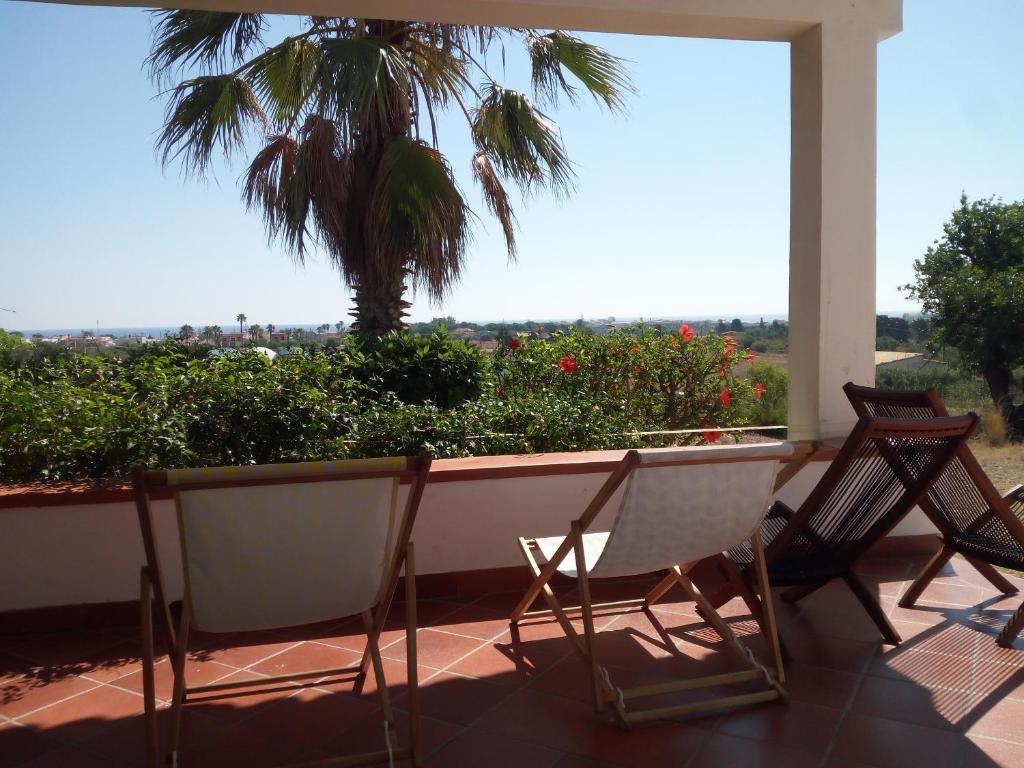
{"points": [[865, 401], [607, 697], [414, 470], [797, 523]]}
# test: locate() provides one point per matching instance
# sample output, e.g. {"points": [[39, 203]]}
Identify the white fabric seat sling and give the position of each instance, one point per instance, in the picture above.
{"points": [[284, 545], [678, 506]]}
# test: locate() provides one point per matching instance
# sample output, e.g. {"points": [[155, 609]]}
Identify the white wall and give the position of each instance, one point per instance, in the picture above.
{"points": [[92, 553]]}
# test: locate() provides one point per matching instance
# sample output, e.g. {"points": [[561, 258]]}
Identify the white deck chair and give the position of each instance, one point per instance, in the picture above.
{"points": [[284, 545], [679, 506]]}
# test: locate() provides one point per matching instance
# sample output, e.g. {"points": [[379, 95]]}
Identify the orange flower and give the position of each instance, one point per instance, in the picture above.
{"points": [[725, 397], [758, 389], [711, 435], [686, 332], [568, 363]]}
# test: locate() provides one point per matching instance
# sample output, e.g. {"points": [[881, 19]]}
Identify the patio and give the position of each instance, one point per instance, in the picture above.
{"points": [[948, 696]]}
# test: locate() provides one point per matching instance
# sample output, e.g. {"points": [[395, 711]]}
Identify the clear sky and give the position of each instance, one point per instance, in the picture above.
{"points": [[681, 208]]}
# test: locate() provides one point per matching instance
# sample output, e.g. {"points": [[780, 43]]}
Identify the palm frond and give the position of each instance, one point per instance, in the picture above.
{"points": [[603, 75], [418, 213], [204, 113], [293, 181], [182, 38], [522, 141], [362, 80], [267, 183], [496, 198], [284, 77]]}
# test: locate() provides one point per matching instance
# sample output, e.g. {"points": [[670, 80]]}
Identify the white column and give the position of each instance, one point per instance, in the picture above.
{"points": [[832, 224]]}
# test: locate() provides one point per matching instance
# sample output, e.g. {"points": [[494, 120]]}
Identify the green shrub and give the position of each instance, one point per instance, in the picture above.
{"points": [[651, 379], [76, 416], [419, 369], [771, 408]]}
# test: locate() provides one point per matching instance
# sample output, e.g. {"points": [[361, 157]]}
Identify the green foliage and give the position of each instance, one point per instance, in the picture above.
{"points": [[173, 405], [960, 391], [417, 369], [772, 407], [648, 377], [971, 284]]}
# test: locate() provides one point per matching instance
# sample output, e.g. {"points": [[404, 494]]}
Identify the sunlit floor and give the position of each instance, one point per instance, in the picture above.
{"points": [[947, 697]]}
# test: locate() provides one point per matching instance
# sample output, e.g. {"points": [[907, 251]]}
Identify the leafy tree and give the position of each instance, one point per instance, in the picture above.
{"points": [[736, 325], [185, 333], [346, 109], [240, 318], [971, 285]]}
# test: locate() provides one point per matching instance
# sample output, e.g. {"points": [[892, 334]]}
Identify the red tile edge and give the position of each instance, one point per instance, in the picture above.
{"points": [[442, 471]]}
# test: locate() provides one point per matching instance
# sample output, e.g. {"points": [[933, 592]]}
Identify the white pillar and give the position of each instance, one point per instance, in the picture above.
{"points": [[832, 224]]}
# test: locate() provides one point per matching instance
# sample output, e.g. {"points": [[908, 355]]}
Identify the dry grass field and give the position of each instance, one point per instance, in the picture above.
{"points": [[1004, 464]]}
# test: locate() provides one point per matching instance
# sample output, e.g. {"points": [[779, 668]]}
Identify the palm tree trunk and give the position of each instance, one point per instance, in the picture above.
{"points": [[379, 305]]}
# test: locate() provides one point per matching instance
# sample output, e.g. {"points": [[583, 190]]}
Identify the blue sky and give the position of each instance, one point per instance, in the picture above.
{"points": [[681, 208]]}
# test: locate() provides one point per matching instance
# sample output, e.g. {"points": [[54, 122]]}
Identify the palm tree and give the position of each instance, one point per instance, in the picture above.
{"points": [[271, 328], [338, 326], [255, 332], [185, 333], [346, 108], [240, 318]]}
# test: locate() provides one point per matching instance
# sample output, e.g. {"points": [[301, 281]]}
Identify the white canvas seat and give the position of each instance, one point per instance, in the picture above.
{"points": [[285, 545], [678, 506]]}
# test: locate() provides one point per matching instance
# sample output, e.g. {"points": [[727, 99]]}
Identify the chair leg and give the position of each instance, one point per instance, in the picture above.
{"points": [[768, 624], [924, 578], [993, 576], [1012, 628], [659, 589], [590, 639], [178, 697], [373, 649], [874, 610], [148, 685], [410, 655], [549, 597]]}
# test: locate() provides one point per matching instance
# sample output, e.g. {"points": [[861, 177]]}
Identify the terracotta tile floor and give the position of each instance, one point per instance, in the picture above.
{"points": [[946, 697]]}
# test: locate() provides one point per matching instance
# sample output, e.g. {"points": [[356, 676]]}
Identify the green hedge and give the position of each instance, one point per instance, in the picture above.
{"points": [[74, 416]]}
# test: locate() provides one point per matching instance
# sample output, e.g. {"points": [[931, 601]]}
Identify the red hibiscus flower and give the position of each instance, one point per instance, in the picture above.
{"points": [[686, 332], [514, 343], [730, 347], [728, 339], [725, 397], [751, 355], [499, 392], [711, 435], [758, 389], [568, 363]]}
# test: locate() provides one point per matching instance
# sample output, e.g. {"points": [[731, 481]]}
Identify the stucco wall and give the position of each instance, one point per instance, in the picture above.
{"points": [[65, 555]]}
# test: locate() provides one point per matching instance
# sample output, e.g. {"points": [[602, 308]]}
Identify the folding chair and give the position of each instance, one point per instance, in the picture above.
{"points": [[283, 545], [974, 520], [679, 505], [882, 470]]}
